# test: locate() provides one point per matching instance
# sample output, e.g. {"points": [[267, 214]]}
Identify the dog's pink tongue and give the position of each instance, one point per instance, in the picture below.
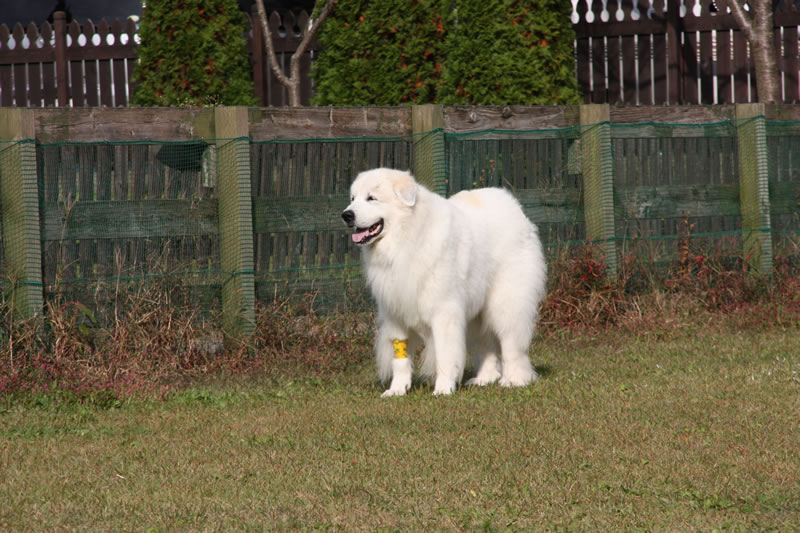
{"points": [[359, 236]]}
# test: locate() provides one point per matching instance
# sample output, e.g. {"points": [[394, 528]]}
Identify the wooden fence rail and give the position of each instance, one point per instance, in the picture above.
{"points": [[255, 194]]}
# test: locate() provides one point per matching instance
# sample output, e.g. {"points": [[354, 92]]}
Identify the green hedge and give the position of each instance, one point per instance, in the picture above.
{"points": [[193, 52], [389, 52]]}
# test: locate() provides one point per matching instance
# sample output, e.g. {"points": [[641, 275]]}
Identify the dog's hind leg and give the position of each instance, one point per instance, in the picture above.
{"points": [[449, 342], [511, 313], [485, 358]]}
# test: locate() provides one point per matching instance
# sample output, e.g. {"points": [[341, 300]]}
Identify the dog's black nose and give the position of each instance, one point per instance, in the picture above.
{"points": [[349, 217]]}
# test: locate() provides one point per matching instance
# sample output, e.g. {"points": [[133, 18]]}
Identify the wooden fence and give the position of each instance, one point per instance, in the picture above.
{"points": [[252, 197], [92, 65], [628, 52], [676, 52]]}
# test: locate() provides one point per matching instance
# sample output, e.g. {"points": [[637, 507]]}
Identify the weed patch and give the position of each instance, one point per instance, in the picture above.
{"points": [[150, 339], [156, 342]]}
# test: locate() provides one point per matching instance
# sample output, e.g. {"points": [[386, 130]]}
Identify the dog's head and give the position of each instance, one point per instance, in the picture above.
{"points": [[378, 199]]}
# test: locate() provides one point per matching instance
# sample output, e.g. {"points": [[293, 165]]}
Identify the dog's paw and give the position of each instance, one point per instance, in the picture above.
{"points": [[482, 381], [388, 393], [518, 380], [444, 387]]}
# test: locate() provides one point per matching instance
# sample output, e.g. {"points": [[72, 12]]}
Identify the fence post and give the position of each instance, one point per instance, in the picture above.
{"points": [[598, 180], [60, 30], [751, 131], [20, 210], [235, 220], [427, 125]]}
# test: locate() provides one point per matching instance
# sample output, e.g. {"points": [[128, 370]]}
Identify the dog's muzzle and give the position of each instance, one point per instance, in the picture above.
{"points": [[361, 235]]}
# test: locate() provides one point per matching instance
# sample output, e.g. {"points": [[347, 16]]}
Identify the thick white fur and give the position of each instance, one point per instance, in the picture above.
{"points": [[453, 276]]}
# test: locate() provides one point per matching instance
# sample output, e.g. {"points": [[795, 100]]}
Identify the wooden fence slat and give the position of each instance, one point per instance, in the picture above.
{"points": [[600, 92], [706, 67], [615, 81], [630, 68], [741, 68], [583, 67], [724, 71], [791, 43]]}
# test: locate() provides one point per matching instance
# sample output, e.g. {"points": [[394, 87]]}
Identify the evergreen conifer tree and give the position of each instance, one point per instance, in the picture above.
{"points": [[390, 52], [193, 52]]}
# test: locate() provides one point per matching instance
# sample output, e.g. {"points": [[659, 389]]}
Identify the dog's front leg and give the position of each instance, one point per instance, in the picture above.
{"points": [[401, 378], [392, 354]]}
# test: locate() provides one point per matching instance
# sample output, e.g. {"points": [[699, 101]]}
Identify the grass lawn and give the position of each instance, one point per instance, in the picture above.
{"points": [[697, 430]]}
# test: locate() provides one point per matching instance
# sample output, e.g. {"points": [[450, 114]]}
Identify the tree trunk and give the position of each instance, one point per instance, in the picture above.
{"points": [[758, 26], [292, 81]]}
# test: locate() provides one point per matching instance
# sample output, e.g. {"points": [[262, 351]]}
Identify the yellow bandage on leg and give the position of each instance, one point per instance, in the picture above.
{"points": [[400, 349]]}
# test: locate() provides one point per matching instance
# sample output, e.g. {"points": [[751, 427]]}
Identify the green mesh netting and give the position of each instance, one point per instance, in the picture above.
{"points": [[19, 216], [120, 212]]}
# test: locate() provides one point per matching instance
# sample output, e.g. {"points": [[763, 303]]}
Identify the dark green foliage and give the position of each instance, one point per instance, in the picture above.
{"points": [[389, 52], [510, 52], [380, 53], [193, 52]]}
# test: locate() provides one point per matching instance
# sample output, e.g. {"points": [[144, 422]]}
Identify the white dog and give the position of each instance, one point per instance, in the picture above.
{"points": [[457, 275]]}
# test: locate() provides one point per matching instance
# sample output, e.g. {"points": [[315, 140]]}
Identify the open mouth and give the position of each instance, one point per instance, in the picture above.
{"points": [[365, 235]]}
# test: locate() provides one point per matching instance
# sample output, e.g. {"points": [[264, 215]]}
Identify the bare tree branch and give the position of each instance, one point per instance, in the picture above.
{"points": [[291, 82], [271, 57], [742, 18]]}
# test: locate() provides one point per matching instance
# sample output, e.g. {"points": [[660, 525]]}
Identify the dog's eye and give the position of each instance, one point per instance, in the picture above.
{"points": [[371, 198]]}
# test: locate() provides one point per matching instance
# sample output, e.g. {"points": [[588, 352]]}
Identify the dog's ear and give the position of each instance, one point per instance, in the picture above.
{"points": [[406, 189]]}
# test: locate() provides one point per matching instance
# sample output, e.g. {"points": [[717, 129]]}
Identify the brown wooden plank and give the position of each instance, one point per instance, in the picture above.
{"points": [[791, 65], [329, 122], [660, 89], [67, 196], [645, 85], [599, 83], [104, 82], [34, 71], [630, 68], [119, 69], [583, 68], [87, 248], [123, 124], [105, 250], [724, 68], [465, 119], [121, 167], [7, 96], [674, 54], [741, 67], [615, 81], [132, 219], [92, 83], [671, 115], [706, 68], [20, 85], [690, 71]]}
